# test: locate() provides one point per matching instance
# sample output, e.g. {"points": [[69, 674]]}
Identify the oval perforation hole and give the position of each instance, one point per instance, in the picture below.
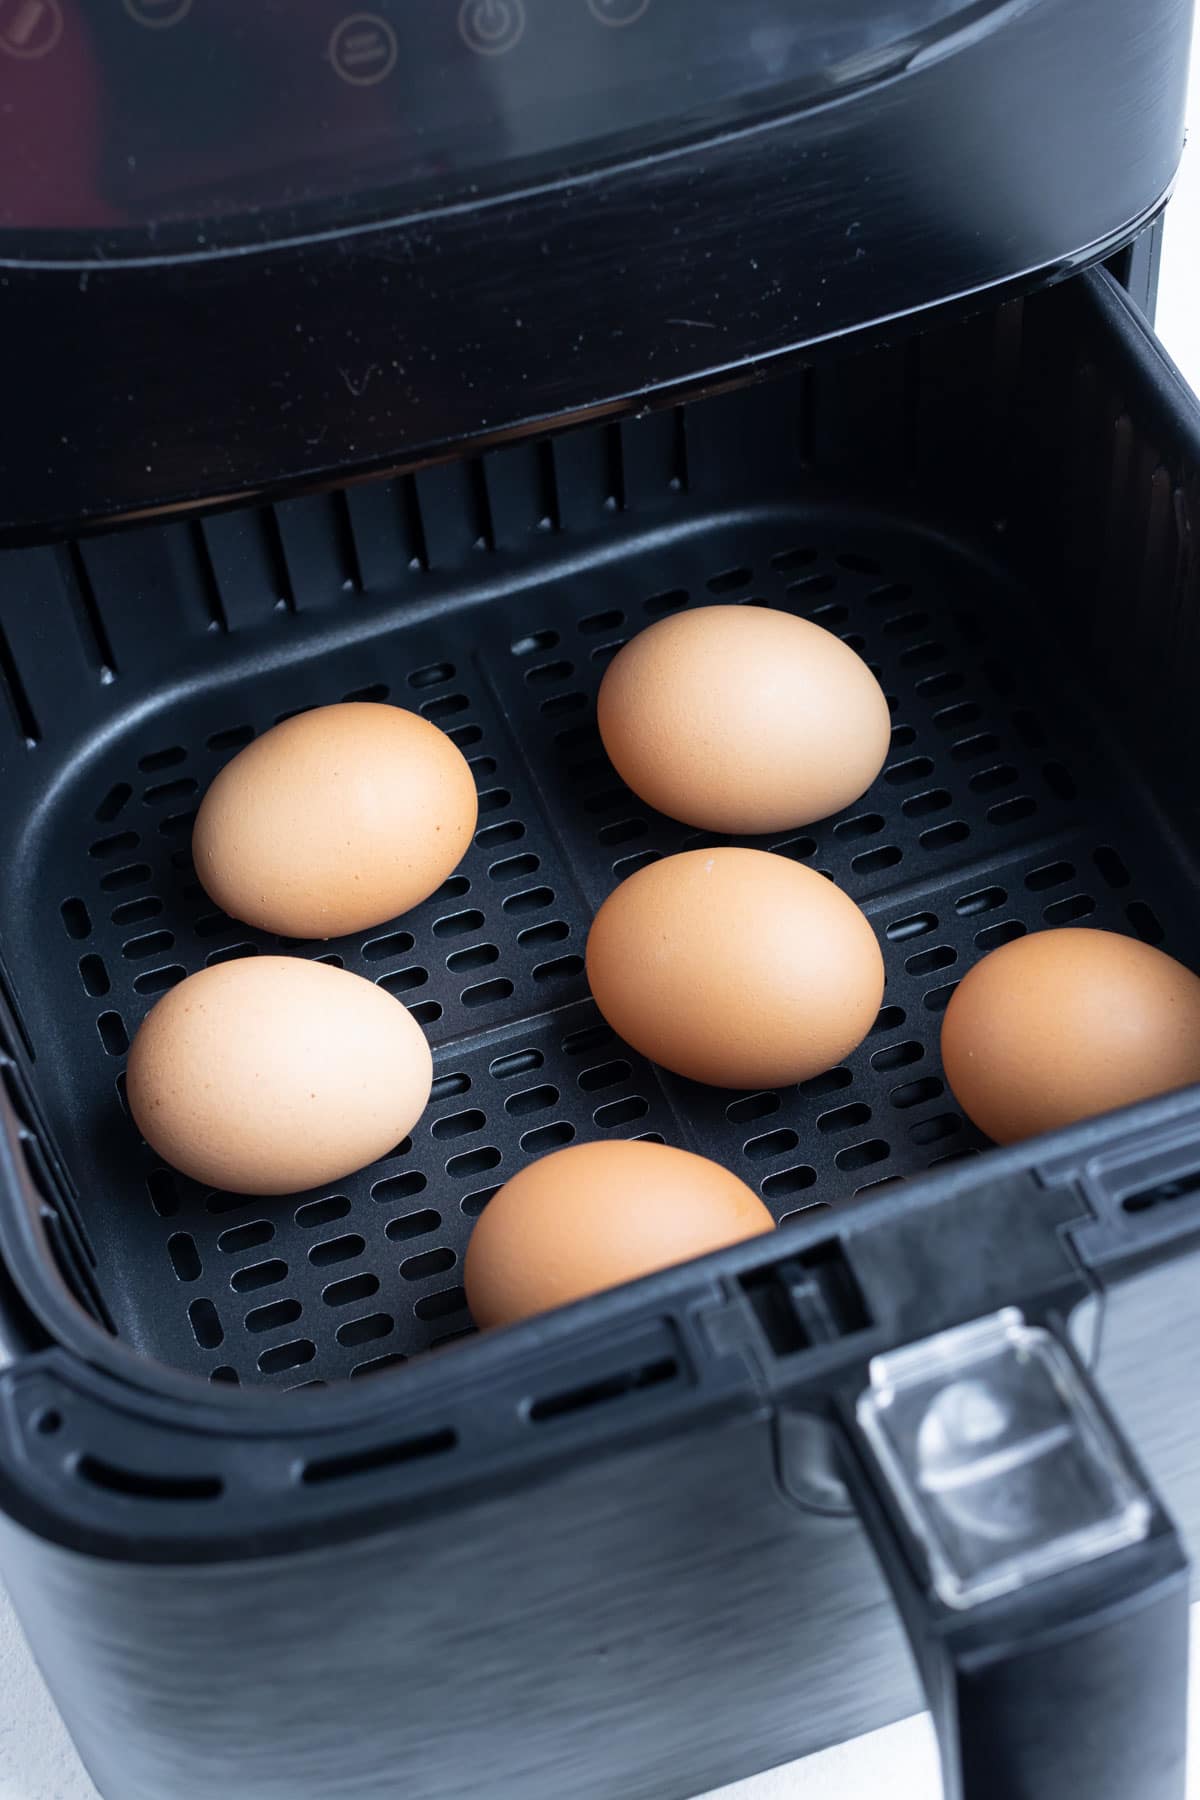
{"points": [[399, 1187], [322, 1212], [168, 791], [560, 968], [990, 781], [150, 944], [432, 675], [376, 692], [154, 760], [898, 1056], [1111, 867], [516, 1062], [274, 1316], [206, 1324], [441, 1304], [185, 1257], [413, 1225], [427, 1263], [922, 806], [492, 837], [872, 862], [595, 623], [487, 993], [1066, 912], [240, 1238], [992, 936], [629, 865], [351, 1290], [797, 849], [1011, 812], [444, 707], [771, 1143], [76, 918], [473, 1204], [941, 837], [786, 1182], [286, 1356], [914, 925], [534, 641], [259, 1275], [529, 900], [94, 976], [531, 1100], [397, 943], [129, 875], [672, 601], [157, 981], [403, 981], [752, 1106], [365, 1330], [473, 1162], [458, 924], [336, 1250], [981, 901], [729, 580], [113, 846], [938, 999], [916, 1093], [1145, 922], [844, 1118], [862, 1156], [933, 1131], [545, 674], [163, 1192], [621, 1112], [460, 1124], [477, 956], [864, 825], [925, 962], [547, 1137], [113, 1035], [602, 1075], [558, 705], [536, 937]]}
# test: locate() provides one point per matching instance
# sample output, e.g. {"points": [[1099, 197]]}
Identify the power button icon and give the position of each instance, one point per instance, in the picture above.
{"points": [[618, 12], [491, 27]]}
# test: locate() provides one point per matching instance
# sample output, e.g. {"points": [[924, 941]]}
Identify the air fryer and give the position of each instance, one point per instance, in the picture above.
{"points": [[427, 359]]}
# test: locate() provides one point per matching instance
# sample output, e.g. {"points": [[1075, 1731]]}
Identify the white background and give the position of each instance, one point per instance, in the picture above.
{"points": [[37, 1761]]}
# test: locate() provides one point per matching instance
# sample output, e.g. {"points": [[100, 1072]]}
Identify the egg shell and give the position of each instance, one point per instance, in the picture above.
{"points": [[741, 719], [594, 1215], [735, 967], [270, 1075], [1063, 1025], [335, 821]]}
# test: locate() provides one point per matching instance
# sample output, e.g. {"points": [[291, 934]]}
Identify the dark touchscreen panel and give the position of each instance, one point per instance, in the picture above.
{"points": [[161, 113]]}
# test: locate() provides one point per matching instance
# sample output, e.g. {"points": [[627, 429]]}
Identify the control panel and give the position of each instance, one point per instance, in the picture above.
{"points": [[120, 115]]}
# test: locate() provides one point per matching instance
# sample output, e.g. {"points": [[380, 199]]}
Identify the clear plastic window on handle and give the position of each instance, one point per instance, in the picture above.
{"points": [[1001, 1462]]}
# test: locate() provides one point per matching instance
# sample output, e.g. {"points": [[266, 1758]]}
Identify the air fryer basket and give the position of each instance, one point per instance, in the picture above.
{"points": [[893, 497], [583, 1517]]}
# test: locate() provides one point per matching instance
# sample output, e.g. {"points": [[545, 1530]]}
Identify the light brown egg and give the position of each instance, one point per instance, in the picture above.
{"points": [[735, 967], [335, 821], [594, 1215], [740, 719], [1062, 1025], [270, 1075]]}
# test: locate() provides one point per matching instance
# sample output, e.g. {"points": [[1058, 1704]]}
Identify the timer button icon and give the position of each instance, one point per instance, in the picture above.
{"points": [[491, 27], [29, 29], [618, 12]]}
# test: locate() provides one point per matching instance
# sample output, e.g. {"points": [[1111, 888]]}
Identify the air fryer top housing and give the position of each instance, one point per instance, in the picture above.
{"points": [[245, 249]]}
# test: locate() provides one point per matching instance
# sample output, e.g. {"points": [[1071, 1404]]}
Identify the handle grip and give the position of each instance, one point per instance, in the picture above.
{"points": [[1043, 1587]]}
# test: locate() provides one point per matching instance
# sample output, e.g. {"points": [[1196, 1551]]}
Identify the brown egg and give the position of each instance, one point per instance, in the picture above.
{"points": [[740, 719], [335, 821], [1062, 1025], [735, 967], [594, 1215], [270, 1075]]}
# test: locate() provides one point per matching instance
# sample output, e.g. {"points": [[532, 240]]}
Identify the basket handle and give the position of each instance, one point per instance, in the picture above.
{"points": [[1043, 1588]]}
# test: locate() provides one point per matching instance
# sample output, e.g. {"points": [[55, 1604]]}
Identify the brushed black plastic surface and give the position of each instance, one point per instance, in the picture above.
{"points": [[1040, 139]]}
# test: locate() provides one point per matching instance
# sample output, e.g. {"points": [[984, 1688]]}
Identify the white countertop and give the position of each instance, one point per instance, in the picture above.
{"points": [[37, 1761]]}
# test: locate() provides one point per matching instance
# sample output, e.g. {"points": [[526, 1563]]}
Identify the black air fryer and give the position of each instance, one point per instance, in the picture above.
{"points": [[426, 354]]}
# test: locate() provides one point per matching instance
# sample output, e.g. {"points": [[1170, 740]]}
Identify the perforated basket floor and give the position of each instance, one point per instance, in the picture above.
{"points": [[998, 812]]}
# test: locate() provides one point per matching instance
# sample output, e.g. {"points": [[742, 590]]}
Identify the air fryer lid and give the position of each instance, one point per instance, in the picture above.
{"points": [[250, 248]]}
